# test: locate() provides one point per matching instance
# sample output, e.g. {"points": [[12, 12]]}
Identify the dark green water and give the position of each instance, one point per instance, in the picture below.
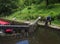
{"points": [[41, 36], [45, 35]]}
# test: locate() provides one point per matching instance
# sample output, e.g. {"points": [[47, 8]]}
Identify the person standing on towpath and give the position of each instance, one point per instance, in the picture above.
{"points": [[48, 20]]}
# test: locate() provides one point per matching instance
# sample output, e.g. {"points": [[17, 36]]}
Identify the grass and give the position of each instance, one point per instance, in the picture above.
{"points": [[56, 22]]}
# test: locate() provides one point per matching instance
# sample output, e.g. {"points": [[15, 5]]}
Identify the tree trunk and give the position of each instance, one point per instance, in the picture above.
{"points": [[47, 3]]}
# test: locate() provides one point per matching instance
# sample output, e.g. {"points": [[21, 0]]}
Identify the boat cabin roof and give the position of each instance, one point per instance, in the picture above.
{"points": [[2, 22]]}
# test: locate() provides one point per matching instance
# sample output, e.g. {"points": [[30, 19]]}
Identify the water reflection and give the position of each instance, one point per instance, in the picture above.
{"points": [[23, 42]]}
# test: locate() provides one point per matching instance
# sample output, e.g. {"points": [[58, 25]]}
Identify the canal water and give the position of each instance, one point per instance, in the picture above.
{"points": [[41, 36], [23, 42], [13, 40]]}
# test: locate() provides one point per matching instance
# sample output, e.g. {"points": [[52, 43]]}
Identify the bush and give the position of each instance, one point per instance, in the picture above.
{"points": [[50, 7], [58, 16]]}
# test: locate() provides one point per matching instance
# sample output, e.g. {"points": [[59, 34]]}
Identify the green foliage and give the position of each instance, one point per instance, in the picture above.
{"points": [[7, 6], [58, 16], [56, 22], [32, 12]]}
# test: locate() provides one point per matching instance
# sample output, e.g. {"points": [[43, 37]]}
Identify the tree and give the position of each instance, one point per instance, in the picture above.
{"points": [[47, 3], [7, 6]]}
